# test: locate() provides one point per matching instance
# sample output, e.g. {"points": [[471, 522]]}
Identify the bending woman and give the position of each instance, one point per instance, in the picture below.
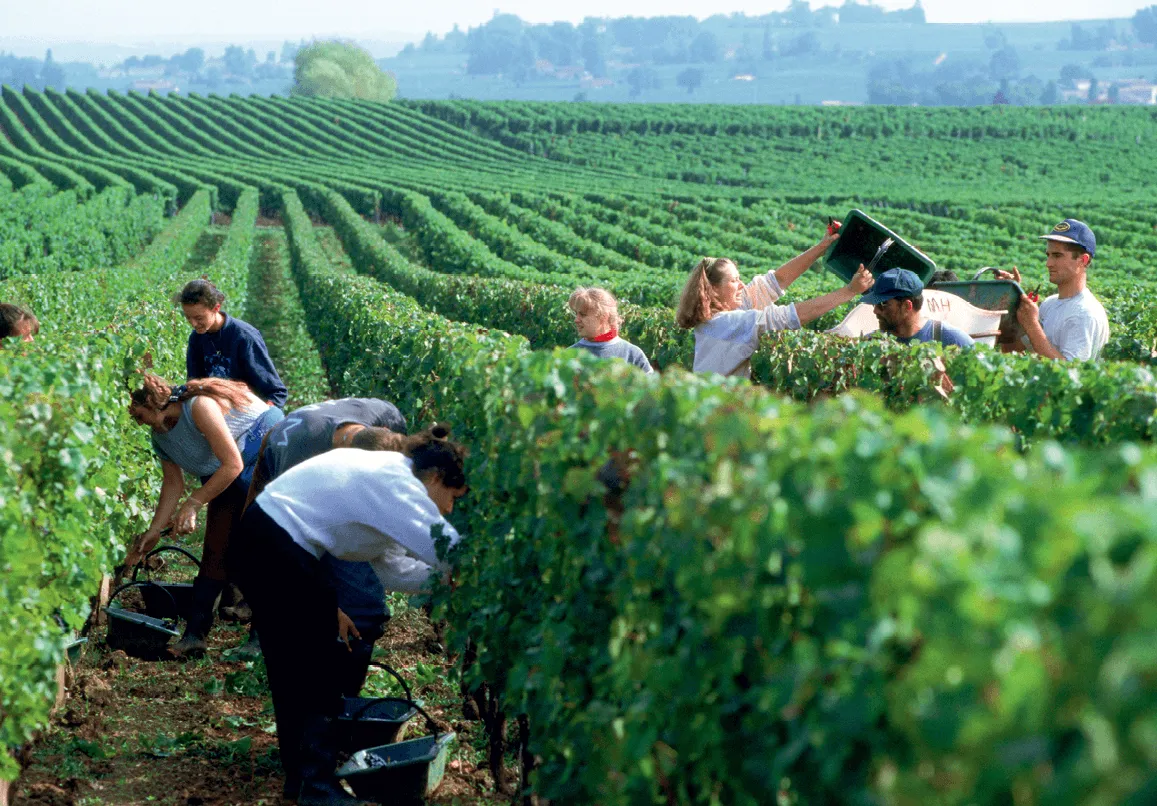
{"points": [[378, 507], [210, 428], [715, 303]]}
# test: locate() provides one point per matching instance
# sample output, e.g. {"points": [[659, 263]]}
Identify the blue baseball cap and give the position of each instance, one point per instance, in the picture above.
{"points": [[891, 284], [1072, 231]]}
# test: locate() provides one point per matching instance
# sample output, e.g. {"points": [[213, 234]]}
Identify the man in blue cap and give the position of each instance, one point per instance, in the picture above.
{"points": [[897, 297], [1070, 325]]}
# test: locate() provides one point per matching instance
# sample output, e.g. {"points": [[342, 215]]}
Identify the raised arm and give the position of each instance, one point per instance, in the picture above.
{"points": [[789, 272]]}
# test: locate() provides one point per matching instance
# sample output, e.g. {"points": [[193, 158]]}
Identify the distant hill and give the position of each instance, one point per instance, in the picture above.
{"points": [[847, 55]]}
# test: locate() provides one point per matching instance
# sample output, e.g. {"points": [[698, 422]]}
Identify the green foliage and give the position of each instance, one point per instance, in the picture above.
{"points": [[839, 604], [340, 70], [78, 478], [42, 233]]}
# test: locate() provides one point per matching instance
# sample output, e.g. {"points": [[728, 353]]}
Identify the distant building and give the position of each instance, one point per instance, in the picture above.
{"points": [[590, 83], [1130, 91], [155, 84]]}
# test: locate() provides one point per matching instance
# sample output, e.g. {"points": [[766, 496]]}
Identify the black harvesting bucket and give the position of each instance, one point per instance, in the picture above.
{"points": [[137, 634], [370, 722], [864, 240], [179, 600], [400, 773]]}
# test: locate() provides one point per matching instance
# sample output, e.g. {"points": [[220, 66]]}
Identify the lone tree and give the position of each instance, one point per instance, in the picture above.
{"points": [[690, 79], [340, 70]]}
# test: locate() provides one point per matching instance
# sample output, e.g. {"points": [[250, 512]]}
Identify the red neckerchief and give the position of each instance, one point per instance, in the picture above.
{"points": [[610, 334]]}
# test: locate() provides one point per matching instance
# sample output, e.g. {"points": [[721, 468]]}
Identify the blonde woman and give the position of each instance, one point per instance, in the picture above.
{"points": [[714, 303], [597, 320]]}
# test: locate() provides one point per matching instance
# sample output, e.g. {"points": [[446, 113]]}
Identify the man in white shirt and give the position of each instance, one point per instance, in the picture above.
{"points": [[1070, 325]]}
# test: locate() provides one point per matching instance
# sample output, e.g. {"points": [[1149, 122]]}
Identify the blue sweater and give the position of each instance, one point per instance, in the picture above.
{"points": [[237, 352]]}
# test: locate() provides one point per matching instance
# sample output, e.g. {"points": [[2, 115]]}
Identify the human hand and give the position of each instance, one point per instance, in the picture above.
{"points": [[1027, 313], [142, 545], [185, 521], [1013, 274], [831, 234], [346, 628], [861, 281]]}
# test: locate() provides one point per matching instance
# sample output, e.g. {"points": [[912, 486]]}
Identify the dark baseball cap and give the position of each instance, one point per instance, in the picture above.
{"points": [[891, 284], [1072, 231]]}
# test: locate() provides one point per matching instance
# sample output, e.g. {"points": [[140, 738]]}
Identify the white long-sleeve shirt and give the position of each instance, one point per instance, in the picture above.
{"points": [[365, 506], [726, 342], [762, 291]]}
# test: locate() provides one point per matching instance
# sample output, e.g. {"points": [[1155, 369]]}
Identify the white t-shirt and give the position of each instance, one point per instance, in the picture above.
{"points": [[1076, 326], [365, 506]]}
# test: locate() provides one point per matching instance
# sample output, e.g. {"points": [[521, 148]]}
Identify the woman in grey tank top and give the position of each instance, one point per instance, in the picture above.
{"points": [[210, 428]]}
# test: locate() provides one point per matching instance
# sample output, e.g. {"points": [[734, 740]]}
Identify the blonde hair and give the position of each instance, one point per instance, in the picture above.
{"points": [[599, 300], [698, 302]]}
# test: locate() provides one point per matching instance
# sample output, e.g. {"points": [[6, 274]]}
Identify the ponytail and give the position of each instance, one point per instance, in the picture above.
{"points": [[156, 393], [432, 452], [697, 302]]}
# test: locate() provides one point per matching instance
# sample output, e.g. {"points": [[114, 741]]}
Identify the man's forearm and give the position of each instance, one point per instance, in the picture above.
{"points": [[1041, 344]]}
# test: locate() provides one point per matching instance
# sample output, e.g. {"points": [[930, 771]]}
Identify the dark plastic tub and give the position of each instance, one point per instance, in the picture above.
{"points": [[74, 650], [137, 634], [860, 237], [991, 295], [167, 600], [400, 774], [366, 722]]}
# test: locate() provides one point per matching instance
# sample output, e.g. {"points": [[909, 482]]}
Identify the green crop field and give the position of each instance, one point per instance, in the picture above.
{"points": [[829, 586]]}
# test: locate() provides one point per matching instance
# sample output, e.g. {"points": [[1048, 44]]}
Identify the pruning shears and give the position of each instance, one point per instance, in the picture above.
{"points": [[833, 226]]}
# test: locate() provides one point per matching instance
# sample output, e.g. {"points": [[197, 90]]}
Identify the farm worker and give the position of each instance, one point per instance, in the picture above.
{"points": [[943, 276], [210, 428], [17, 322], [726, 334], [221, 346], [378, 507], [597, 320], [1070, 324], [306, 432], [765, 289], [897, 298]]}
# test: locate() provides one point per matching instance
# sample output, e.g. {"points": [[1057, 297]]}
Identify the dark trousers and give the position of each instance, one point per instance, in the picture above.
{"points": [[222, 518], [295, 611]]}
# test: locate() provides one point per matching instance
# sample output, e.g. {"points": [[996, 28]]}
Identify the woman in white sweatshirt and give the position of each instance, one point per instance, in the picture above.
{"points": [[379, 507], [718, 306]]}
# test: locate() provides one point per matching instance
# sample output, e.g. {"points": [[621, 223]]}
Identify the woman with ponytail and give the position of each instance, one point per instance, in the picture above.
{"points": [[717, 305], [380, 507], [210, 428]]}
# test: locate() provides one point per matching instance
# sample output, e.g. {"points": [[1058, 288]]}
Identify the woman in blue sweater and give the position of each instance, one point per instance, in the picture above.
{"points": [[223, 347]]}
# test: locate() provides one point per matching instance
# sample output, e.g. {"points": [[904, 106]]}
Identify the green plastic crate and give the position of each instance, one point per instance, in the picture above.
{"points": [[860, 237]]}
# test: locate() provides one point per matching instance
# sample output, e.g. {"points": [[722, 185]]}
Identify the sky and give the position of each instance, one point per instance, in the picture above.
{"points": [[136, 22]]}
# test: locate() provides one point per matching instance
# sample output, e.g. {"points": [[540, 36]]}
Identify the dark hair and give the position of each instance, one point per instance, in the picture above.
{"points": [[943, 276], [12, 315], [156, 393], [432, 452], [917, 300], [378, 438], [199, 292]]}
